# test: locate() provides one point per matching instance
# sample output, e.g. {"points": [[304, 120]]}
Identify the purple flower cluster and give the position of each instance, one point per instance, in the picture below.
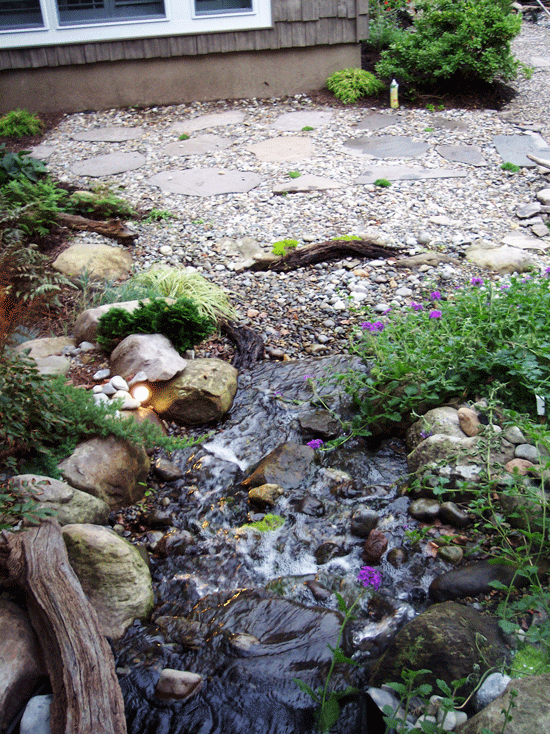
{"points": [[315, 443], [477, 281], [417, 306], [308, 377], [375, 326], [435, 314], [369, 576], [435, 296]]}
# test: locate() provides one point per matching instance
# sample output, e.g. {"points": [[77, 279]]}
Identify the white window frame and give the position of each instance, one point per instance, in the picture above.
{"points": [[180, 20]]}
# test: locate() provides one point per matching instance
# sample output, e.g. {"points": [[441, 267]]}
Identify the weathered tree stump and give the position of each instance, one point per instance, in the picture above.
{"points": [[248, 343], [86, 695], [327, 252], [113, 228]]}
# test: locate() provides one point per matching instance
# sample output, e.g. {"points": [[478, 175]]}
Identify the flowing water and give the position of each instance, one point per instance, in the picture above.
{"points": [[252, 610]]}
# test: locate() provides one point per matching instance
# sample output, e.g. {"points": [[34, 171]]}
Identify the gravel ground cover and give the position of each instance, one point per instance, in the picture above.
{"points": [[313, 310]]}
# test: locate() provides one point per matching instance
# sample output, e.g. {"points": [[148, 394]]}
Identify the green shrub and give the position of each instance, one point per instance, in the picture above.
{"points": [[282, 247], [43, 418], [100, 204], [510, 167], [454, 38], [349, 85], [179, 322], [18, 124], [34, 206], [383, 183], [383, 31], [18, 165]]}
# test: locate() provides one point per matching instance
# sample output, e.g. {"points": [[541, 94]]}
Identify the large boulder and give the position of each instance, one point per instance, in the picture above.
{"points": [[471, 580], [85, 328], [113, 574], [110, 468], [442, 421], [70, 505], [21, 663], [202, 393], [152, 354], [98, 261], [448, 640], [503, 259], [45, 347], [287, 466], [530, 712]]}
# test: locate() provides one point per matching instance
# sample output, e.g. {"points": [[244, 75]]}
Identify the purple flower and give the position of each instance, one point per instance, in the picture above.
{"points": [[369, 576], [435, 296], [377, 326], [316, 443], [277, 394], [504, 287], [417, 306], [308, 377], [435, 314], [366, 325], [425, 434], [387, 310], [547, 270], [477, 281]]}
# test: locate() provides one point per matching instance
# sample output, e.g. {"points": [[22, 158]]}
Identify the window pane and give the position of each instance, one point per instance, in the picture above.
{"points": [[82, 10], [208, 7], [20, 14]]}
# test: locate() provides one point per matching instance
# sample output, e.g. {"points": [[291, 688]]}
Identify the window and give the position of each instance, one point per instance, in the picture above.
{"points": [[20, 14], [211, 7], [74, 11]]}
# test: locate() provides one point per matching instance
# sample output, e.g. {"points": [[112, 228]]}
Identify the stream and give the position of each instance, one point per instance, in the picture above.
{"points": [[252, 610]]}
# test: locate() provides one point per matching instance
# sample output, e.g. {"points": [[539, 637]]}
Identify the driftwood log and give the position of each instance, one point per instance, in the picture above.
{"points": [[113, 228], [86, 695], [249, 345], [327, 252]]}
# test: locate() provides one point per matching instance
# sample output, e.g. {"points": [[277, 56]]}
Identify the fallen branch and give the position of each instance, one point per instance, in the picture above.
{"points": [[327, 252], [86, 696], [249, 345], [541, 161], [113, 228]]}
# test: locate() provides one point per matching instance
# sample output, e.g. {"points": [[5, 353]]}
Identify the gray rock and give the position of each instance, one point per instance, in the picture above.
{"points": [[514, 435], [451, 513], [285, 148], [108, 468], [527, 451], [452, 554], [205, 181], [442, 420], [386, 146], [112, 134], [469, 580], [514, 148], [306, 183], [214, 119], [108, 165], [525, 211], [470, 154], [492, 687], [376, 121], [198, 145], [504, 259], [363, 521], [178, 684], [544, 196], [288, 466], [425, 510], [295, 121], [45, 347], [407, 173], [439, 447], [113, 574], [36, 717], [152, 354]]}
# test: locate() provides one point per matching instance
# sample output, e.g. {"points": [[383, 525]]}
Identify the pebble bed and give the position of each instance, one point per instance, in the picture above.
{"points": [[313, 310]]}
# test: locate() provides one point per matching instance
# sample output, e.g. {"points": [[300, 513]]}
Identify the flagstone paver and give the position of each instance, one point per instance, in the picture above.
{"points": [[407, 173], [540, 62], [215, 119], [110, 134], [514, 148], [377, 121], [470, 154], [284, 148], [525, 241], [386, 146], [306, 183], [205, 181], [201, 144], [446, 124], [108, 165], [295, 121], [43, 151]]}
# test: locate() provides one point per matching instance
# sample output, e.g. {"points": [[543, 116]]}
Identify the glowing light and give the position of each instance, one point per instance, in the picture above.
{"points": [[141, 392]]}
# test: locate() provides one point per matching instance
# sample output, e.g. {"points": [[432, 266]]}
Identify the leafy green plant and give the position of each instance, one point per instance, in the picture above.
{"points": [[158, 215], [307, 129], [294, 174], [19, 510], [184, 136], [383, 30], [268, 523], [18, 165], [101, 203], [469, 39], [507, 166], [19, 123], [428, 129], [179, 322], [32, 206], [43, 418], [282, 247], [349, 85], [383, 183], [163, 281]]}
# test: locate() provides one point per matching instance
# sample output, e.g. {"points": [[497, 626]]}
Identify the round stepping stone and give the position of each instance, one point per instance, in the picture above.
{"points": [[307, 183], [470, 154], [295, 121], [42, 151], [407, 173], [514, 148], [386, 146], [205, 181], [446, 124], [376, 122], [110, 134], [108, 165], [216, 119], [199, 145], [283, 149]]}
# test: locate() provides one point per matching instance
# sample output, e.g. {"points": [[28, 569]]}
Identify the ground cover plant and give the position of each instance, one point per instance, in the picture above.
{"points": [[349, 85], [19, 124]]}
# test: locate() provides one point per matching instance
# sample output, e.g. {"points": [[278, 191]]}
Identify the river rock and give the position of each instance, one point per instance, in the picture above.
{"points": [[70, 505], [166, 471], [492, 687], [21, 663], [36, 717], [531, 712], [152, 354], [452, 554], [451, 513], [397, 556], [202, 393], [375, 547], [113, 574], [109, 468], [266, 495], [320, 422], [288, 466], [525, 509], [469, 421], [327, 551], [448, 640], [178, 684], [363, 521], [469, 580], [98, 261], [45, 347], [442, 420], [425, 510]]}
